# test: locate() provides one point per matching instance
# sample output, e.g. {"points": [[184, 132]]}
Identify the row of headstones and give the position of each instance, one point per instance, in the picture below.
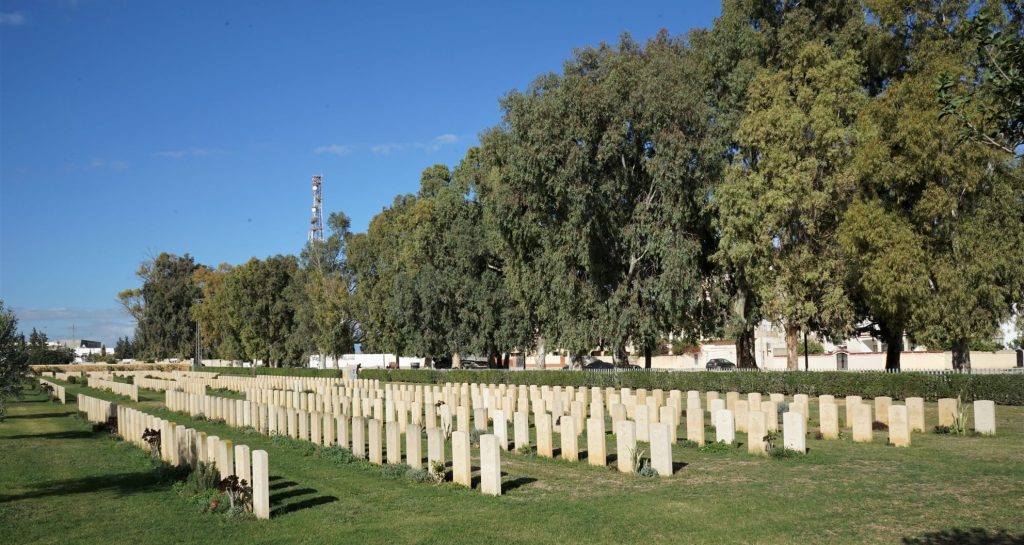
{"points": [[732, 401], [182, 446], [362, 436], [95, 409], [58, 391], [984, 414], [120, 388]]}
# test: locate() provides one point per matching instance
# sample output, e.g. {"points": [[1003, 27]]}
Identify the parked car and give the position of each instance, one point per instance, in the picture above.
{"points": [[720, 364]]}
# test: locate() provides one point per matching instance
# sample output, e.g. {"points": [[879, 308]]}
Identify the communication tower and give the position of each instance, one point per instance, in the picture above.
{"points": [[316, 225]]}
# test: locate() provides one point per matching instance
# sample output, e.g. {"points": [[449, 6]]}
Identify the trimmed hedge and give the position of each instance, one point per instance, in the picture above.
{"points": [[1003, 389], [277, 371], [87, 367]]}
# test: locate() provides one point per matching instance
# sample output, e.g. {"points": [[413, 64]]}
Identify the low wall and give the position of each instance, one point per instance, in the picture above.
{"points": [[917, 361]]}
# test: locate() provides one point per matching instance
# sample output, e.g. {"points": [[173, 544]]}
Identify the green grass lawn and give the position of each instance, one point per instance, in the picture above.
{"points": [[62, 483]]}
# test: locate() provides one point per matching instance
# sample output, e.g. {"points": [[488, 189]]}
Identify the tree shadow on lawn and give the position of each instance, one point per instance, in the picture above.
{"points": [[123, 484], [39, 415], [80, 434], [972, 536]]}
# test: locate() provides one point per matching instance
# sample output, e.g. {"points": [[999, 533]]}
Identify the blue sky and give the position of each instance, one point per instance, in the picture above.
{"points": [[132, 128]]}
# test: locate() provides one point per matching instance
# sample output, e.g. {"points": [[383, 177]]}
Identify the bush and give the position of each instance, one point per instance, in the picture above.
{"points": [[335, 453], [1003, 389], [394, 470], [716, 447], [200, 481], [278, 371]]}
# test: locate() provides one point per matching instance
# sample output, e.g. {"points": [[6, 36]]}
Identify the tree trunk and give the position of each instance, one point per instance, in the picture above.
{"points": [[894, 347], [647, 357], [541, 351], [792, 346], [428, 362], [456, 361], [962, 355], [745, 358]]}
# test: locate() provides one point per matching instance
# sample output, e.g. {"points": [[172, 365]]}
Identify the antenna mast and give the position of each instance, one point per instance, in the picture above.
{"points": [[316, 225]]}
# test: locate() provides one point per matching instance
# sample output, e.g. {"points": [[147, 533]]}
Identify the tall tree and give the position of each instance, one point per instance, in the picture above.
{"points": [[598, 180], [783, 198], [988, 103], [322, 294], [260, 311], [934, 235], [218, 336], [162, 306], [748, 37]]}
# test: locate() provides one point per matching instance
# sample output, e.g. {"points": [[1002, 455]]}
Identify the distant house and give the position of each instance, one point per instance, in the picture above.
{"points": [[82, 348]]}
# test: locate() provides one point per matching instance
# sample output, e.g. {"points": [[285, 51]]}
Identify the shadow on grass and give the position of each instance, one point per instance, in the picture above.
{"points": [[40, 415], [972, 536], [288, 490], [516, 483], [121, 483], [58, 435]]}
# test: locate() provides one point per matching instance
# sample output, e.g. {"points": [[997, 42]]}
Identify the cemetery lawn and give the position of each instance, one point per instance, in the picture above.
{"points": [[62, 483]]}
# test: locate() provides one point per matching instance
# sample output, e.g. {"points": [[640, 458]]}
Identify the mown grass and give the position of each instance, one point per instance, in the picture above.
{"points": [[62, 483]]}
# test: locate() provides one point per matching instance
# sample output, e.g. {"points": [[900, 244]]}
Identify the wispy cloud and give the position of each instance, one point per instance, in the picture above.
{"points": [[387, 149], [98, 164], [13, 19], [431, 146], [334, 149], [191, 152]]}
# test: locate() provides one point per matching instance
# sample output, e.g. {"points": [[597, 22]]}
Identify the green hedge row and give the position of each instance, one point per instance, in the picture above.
{"points": [[1003, 389], [277, 371]]}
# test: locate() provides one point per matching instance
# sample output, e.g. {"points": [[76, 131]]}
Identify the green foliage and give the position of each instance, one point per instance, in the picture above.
{"points": [[1003, 389], [596, 188], [717, 447], [783, 198], [162, 306], [13, 360], [990, 107], [393, 471], [201, 480], [428, 281], [813, 347], [336, 454]]}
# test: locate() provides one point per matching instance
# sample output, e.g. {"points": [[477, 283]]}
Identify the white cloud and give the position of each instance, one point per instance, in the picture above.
{"points": [[387, 149], [13, 19], [334, 149], [191, 152], [99, 164], [446, 139]]}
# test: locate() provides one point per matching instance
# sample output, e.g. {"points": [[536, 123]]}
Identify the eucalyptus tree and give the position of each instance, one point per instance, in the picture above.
{"points": [[935, 236], [783, 198], [596, 186]]}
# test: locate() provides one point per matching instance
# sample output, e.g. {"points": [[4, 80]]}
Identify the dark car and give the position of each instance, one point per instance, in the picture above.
{"points": [[720, 364]]}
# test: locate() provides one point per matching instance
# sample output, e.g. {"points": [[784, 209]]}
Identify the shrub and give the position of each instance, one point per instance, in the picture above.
{"points": [[335, 453], [783, 453], [419, 476], [201, 480], [526, 450], [716, 447], [474, 436], [686, 443], [394, 470], [1003, 389]]}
